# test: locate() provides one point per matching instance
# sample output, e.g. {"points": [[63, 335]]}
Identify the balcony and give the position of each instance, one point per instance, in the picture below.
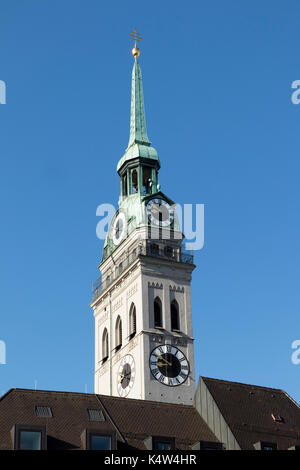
{"points": [[159, 249]]}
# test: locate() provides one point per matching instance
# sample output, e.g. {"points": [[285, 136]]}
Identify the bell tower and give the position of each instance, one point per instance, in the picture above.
{"points": [[142, 302]]}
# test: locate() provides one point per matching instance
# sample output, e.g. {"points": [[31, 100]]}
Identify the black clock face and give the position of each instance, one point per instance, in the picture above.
{"points": [[160, 212], [126, 374], [118, 228], [169, 365]]}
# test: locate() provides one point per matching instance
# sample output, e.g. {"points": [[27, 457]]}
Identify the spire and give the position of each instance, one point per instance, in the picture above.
{"points": [[138, 131], [139, 145]]}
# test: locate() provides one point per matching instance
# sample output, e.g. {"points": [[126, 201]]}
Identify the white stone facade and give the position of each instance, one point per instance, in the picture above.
{"points": [[138, 279]]}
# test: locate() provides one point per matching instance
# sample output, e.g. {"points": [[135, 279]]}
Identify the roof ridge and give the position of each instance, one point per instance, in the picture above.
{"points": [[96, 395], [243, 384], [49, 391], [146, 401]]}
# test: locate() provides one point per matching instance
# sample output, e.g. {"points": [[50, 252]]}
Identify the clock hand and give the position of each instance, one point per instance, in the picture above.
{"points": [[162, 364], [162, 359], [121, 378]]}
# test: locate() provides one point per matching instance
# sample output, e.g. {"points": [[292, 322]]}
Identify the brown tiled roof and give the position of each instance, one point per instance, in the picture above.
{"points": [[139, 419], [247, 409], [133, 420], [70, 417]]}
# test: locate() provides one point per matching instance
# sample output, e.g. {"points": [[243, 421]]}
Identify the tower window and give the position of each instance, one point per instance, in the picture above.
{"points": [[147, 181], [175, 325], [105, 345], [134, 179], [118, 334], [154, 249], [169, 251], [132, 321], [157, 313], [124, 182]]}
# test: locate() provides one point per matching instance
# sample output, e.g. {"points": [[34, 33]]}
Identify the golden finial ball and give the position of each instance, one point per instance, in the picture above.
{"points": [[135, 52]]}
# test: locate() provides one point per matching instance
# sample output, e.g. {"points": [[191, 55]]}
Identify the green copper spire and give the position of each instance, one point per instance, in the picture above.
{"points": [[138, 131], [139, 145]]}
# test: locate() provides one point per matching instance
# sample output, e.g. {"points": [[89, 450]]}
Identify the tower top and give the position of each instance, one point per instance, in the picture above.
{"points": [[139, 145], [136, 37]]}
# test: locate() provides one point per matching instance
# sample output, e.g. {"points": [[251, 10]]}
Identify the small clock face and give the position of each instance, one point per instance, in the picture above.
{"points": [[126, 375], [169, 365], [159, 212], [118, 228]]}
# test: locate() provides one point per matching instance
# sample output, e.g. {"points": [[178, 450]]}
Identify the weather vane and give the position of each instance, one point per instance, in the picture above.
{"points": [[136, 37]]}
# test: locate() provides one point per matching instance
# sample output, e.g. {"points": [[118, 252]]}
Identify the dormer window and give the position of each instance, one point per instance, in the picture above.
{"points": [[260, 445], [163, 443], [27, 437], [99, 439]]}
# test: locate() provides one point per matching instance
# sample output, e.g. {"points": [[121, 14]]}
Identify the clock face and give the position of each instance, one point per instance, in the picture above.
{"points": [[159, 212], [169, 365], [118, 228], [126, 374]]}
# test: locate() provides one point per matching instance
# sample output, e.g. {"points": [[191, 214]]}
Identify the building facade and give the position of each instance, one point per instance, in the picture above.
{"points": [[142, 303]]}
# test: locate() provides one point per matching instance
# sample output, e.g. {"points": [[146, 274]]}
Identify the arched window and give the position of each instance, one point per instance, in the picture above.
{"points": [[175, 325], [118, 333], [132, 321], [105, 345], [157, 313]]}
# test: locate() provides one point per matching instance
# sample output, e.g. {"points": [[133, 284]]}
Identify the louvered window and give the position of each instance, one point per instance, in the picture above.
{"points": [[43, 412], [95, 415]]}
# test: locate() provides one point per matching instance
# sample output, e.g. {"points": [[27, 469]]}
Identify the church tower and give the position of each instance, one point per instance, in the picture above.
{"points": [[142, 302]]}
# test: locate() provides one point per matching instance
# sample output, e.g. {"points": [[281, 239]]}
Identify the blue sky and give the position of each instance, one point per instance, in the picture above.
{"points": [[217, 85]]}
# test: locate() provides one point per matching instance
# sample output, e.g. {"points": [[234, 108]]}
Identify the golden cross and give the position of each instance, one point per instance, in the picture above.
{"points": [[135, 36]]}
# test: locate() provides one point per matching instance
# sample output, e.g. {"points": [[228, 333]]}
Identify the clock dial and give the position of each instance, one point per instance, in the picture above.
{"points": [[159, 212], [126, 375], [118, 228], [169, 365]]}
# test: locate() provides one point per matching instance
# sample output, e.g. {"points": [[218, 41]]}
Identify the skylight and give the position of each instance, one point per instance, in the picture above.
{"points": [[276, 417], [43, 412], [95, 415]]}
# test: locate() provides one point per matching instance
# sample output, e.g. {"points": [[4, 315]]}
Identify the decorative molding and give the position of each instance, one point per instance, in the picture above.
{"points": [[155, 285], [176, 289], [103, 318], [132, 290], [133, 343], [103, 370], [179, 341], [118, 304], [157, 339], [116, 358]]}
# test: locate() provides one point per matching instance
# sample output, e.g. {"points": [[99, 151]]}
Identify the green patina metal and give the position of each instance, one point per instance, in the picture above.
{"points": [[138, 168], [139, 144]]}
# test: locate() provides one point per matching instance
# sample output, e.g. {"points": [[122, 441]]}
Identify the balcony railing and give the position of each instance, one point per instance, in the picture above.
{"points": [[151, 249]]}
